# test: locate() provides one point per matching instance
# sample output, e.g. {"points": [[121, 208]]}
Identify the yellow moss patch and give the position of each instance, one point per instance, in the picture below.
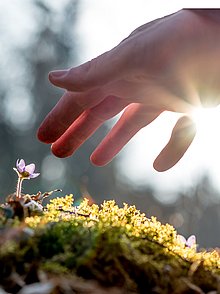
{"points": [[131, 221]]}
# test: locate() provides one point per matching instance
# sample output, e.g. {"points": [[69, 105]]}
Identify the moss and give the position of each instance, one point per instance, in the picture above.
{"points": [[112, 245]]}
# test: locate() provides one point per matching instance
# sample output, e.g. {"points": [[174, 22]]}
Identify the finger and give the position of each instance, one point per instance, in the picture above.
{"points": [[67, 110], [59, 118], [180, 140], [95, 73], [135, 117], [88, 122]]}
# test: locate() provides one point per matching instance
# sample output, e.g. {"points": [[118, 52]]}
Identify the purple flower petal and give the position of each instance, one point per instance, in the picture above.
{"points": [[32, 176], [20, 165], [191, 241], [181, 239], [30, 168]]}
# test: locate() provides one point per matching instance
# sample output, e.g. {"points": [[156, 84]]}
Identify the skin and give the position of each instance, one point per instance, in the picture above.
{"points": [[169, 64]]}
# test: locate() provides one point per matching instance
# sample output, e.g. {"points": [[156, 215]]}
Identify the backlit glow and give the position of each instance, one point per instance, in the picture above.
{"points": [[207, 121]]}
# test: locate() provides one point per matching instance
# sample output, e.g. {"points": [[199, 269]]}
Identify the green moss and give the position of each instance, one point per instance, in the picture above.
{"points": [[114, 246]]}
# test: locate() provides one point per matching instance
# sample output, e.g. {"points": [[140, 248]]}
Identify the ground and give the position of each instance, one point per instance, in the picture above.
{"points": [[60, 248]]}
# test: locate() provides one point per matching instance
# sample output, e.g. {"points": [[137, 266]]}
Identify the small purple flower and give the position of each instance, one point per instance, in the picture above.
{"points": [[25, 171], [190, 242]]}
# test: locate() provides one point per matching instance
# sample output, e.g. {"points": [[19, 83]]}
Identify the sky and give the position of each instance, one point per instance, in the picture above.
{"points": [[101, 26]]}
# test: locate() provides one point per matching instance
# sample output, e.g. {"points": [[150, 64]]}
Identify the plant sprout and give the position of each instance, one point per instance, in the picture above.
{"points": [[24, 172]]}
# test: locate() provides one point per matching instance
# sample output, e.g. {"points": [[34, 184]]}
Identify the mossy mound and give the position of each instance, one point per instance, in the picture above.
{"points": [[106, 249]]}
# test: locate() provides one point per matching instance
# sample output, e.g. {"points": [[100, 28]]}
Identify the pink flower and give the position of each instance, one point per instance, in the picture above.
{"points": [[25, 171]]}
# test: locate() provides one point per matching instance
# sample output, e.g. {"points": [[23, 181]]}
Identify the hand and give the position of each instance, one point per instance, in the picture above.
{"points": [[168, 64]]}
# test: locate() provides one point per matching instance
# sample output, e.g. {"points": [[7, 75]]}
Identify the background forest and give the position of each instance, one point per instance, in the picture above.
{"points": [[26, 97]]}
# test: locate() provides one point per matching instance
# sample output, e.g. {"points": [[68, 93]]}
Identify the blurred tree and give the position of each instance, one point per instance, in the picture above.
{"points": [[51, 45]]}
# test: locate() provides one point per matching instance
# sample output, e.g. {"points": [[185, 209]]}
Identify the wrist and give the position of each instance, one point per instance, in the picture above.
{"points": [[212, 14]]}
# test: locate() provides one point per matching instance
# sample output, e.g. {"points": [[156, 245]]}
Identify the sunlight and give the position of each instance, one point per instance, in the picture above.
{"points": [[207, 121]]}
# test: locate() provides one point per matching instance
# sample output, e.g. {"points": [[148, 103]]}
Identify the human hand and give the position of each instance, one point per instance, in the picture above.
{"points": [[168, 64]]}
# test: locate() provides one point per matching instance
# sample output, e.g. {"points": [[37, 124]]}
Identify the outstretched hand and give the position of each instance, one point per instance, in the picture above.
{"points": [[170, 64]]}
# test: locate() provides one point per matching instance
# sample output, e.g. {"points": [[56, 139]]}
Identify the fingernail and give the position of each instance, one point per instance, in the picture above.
{"points": [[58, 74]]}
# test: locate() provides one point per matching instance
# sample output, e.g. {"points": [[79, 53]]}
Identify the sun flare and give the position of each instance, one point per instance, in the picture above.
{"points": [[207, 121]]}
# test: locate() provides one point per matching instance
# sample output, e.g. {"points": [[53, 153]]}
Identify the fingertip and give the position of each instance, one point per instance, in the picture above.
{"points": [[95, 161], [156, 167], [58, 78], [60, 152], [181, 138], [46, 133], [73, 79], [98, 159], [41, 135], [58, 74], [162, 165]]}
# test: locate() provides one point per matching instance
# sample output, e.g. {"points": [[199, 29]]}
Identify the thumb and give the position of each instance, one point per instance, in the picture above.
{"points": [[97, 72]]}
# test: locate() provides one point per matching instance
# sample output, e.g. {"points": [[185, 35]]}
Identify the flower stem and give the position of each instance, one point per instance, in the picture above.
{"points": [[19, 185]]}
